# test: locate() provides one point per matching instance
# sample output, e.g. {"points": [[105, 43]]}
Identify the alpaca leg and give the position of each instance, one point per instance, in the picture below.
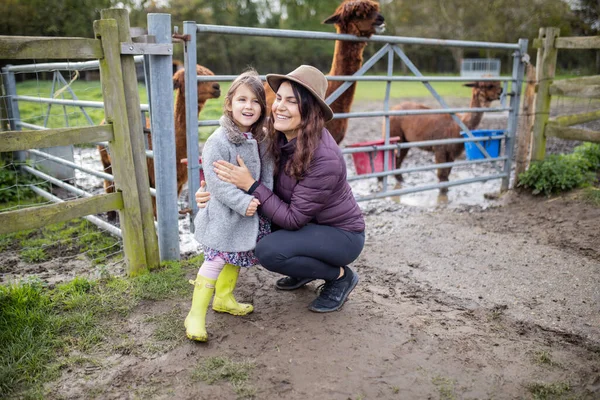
{"points": [[442, 156], [109, 187], [399, 158]]}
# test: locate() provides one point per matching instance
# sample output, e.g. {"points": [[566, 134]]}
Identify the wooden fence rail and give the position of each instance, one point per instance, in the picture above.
{"points": [[123, 132], [587, 87]]}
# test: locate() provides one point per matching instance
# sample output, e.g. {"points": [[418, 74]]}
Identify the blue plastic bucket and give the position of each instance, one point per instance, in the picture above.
{"points": [[491, 146]]}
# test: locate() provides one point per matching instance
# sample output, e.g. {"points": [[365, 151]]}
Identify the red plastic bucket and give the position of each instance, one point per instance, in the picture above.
{"points": [[372, 161]]}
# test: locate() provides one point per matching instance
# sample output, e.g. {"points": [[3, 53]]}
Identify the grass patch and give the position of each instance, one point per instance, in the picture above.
{"points": [[563, 172], [548, 391], [215, 369], [74, 238], [14, 186], [591, 195], [41, 327], [445, 387], [167, 332], [543, 358]]}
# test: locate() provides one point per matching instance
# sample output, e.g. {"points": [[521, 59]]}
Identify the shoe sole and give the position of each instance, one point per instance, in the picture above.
{"points": [[197, 338], [352, 286], [234, 312], [296, 286]]}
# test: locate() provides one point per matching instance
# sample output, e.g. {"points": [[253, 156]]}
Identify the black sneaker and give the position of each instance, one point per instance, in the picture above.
{"points": [[334, 293], [289, 283]]}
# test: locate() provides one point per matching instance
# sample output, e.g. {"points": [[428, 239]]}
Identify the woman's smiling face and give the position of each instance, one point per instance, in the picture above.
{"points": [[286, 111]]}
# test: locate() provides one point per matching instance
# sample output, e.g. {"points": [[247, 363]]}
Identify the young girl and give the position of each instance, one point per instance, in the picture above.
{"points": [[228, 228]]}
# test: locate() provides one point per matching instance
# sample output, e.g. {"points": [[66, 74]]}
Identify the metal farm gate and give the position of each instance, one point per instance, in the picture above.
{"points": [[390, 49]]}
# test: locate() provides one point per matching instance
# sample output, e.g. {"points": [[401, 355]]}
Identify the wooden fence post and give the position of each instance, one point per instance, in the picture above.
{"points": [[115, 108], [527, 117], [546, 69], [132, 102]]}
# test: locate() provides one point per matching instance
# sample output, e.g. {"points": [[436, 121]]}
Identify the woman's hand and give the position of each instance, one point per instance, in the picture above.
{"points": [[202, 196], [239, 176]]}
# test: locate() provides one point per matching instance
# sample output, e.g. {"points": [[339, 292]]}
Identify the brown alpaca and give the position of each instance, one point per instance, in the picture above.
{"points": [[355, 17], [206, 91], [416, 128]]}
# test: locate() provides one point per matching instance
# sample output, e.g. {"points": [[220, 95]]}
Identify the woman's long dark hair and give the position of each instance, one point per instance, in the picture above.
{"points": [[310, 129]]}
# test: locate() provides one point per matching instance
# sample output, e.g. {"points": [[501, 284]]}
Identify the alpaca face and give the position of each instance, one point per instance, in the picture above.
{"points": [[358, 17], [486, 92], [206, 90]]}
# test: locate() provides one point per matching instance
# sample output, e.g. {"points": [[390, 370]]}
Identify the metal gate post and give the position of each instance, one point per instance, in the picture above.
{"points": [[513, 116], [191, 116], [163, 139], [386, 108], [10, 86]]}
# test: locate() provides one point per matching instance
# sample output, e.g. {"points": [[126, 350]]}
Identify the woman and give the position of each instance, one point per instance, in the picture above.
{"points": [[318, 227]]}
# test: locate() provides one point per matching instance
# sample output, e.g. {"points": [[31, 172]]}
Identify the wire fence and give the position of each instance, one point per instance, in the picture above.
{"points": [[64, 250]]}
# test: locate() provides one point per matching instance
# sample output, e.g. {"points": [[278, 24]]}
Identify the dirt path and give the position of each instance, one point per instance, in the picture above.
{"points": [[452, 304]]}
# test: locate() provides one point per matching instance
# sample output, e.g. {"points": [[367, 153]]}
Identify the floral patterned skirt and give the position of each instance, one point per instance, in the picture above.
{"points": [[241, 258]]}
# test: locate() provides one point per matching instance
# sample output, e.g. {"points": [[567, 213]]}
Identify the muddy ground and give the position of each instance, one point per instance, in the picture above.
{"points": [[468, 299]]}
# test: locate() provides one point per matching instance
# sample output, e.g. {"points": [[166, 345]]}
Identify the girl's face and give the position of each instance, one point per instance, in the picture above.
{"points": [[286, 111], [245, 108]]}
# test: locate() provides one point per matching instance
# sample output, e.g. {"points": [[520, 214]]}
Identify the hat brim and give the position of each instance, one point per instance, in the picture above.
{"points": [[275, 80]]}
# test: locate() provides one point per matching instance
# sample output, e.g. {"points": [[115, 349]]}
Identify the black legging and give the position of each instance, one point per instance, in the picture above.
{"points": [[314, 251]]}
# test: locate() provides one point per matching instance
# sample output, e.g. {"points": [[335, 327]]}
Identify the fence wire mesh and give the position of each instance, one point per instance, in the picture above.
{"points": [[77, 247]]}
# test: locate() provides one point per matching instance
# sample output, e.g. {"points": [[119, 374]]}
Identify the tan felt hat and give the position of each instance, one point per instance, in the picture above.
{"points": [[312, 79]]}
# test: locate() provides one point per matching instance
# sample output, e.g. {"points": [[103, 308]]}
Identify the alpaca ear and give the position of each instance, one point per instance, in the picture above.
{"points": [[334, 19], [177, 84], [470, 84]]}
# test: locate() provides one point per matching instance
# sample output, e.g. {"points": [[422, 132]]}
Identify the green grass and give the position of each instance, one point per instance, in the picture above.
{"points": [[591, 195], [366, 91], [41, 327], [548, 391], [76, 237]]}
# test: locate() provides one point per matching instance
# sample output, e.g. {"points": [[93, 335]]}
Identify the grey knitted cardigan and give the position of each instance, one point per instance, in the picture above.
{"points": [[223, 224]]}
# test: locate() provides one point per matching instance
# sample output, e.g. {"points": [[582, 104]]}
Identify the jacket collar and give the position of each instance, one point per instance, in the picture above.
{"points": [[234, 135], [287, 147]]}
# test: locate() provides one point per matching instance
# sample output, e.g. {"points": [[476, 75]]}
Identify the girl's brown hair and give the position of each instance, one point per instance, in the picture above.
{"points": [[310, 130], [251, 79]]}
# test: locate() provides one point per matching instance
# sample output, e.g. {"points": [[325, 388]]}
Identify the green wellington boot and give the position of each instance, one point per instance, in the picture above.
{"points": [[224, 300], [195, 322]]}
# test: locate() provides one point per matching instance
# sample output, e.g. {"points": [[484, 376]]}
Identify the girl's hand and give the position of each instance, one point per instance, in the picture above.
{"points": [[252, 207], [239, 176], [202, 196]]}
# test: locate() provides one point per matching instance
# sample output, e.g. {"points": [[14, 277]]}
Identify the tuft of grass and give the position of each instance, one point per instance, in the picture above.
{"points": [[445, 387], [33, 255], [214, 369], [542, 357], [168, 331], [548, 391], [166, 282], [591, 195], [563, 172]]}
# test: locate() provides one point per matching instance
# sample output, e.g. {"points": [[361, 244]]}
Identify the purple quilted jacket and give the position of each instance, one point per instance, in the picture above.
{"points": [[322, 197]]}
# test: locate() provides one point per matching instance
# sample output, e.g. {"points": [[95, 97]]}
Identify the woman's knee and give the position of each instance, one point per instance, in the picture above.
{"points": [[267, 253]]}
